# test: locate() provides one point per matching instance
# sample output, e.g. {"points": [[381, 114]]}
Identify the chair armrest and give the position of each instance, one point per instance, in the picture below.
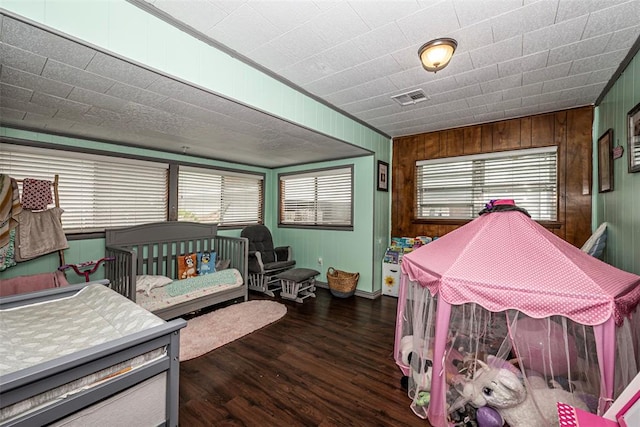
{"points": [[255, 262], [283, 253]]}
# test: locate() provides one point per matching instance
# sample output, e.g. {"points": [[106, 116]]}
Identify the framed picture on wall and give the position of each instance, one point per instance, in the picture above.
{"points": [[633, 139], [383, 176], [605, 162]]}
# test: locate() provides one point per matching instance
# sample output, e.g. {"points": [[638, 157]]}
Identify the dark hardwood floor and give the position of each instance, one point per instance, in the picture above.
{"points": [[328, 362]]}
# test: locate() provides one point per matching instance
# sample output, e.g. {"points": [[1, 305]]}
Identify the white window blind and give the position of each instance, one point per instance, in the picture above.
{"points": [[226, 198], [96, 192], [459, 187], [317, 198]]}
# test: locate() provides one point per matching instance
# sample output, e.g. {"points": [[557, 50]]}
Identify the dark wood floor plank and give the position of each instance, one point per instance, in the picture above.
{"points": [[328, 362]]}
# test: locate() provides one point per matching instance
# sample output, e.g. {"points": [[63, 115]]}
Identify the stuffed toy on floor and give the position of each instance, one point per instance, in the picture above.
{"points": [[419, 365], [501, 389]]}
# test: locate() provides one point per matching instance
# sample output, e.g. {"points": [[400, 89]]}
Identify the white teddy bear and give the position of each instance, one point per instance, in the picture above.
{"points": [[504, 391]]}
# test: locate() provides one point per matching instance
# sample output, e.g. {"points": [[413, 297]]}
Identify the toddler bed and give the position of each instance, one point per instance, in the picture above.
{"points": [[85, 355], [147, 259]]}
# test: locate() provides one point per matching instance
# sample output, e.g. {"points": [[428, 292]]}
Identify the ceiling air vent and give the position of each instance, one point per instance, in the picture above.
{"points": [[410, 98]]}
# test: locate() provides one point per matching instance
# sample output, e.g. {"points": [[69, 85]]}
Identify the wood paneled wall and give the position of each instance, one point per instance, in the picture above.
{"points": [[570, 130]]}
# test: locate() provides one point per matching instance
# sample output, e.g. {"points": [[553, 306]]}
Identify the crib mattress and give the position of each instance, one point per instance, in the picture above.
{"points": [[165, 296], [41, 332]]}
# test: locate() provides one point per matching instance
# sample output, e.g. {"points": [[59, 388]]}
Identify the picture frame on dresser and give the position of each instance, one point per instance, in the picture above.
{"points": [[605, 162], [633, 138]]}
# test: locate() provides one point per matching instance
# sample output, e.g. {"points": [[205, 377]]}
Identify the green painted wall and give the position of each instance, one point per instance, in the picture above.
{"points": [[620, 207], [131, 33], [360, 250]]}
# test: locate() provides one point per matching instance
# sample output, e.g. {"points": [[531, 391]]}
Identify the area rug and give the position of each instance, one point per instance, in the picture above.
{"points": [[212, 330]]}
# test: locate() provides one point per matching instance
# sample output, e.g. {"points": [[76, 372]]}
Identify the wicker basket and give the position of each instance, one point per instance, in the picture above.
{"points": [[341, 283]]}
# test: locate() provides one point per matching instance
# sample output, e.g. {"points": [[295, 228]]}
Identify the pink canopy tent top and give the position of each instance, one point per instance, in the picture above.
{"points": [[505, 260]]}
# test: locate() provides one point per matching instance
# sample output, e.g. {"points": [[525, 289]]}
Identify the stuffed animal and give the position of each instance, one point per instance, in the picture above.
{"points": [[206, 263], [418, 357], [187, 266], [501, 389], [419, 365], [488, 417], [406, 348]]}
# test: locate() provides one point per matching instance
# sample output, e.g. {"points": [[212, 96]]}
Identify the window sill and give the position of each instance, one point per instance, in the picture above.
{"points": [[551, 225], [317, 227]]}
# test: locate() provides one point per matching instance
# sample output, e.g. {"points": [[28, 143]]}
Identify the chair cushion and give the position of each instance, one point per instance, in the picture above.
{"points": [[279, 265]]}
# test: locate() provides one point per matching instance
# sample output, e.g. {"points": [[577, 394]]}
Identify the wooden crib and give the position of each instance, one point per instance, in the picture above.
{"points": [[153, 249]]}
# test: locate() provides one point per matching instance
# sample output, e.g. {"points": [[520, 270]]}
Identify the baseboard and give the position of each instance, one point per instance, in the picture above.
{"points": [[368, 295], [359, 293]]}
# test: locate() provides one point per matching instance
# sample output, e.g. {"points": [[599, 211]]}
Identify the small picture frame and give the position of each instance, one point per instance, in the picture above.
{"points": [[605, 162], [383, 176], [633, 138]]}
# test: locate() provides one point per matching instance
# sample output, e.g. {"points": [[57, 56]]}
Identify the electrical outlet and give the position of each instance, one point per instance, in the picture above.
{"points": [[319, 261]]}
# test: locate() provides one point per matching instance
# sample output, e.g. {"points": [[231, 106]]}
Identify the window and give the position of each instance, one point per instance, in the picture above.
{"points": [[459, 187], [322, 198], [226, 198], [100, 191], [95, 191]]}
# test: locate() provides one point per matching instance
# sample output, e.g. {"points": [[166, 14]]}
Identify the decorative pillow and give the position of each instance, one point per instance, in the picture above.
{"points": [[187, 266], [206, 263], [222, 264], [145, 283]]}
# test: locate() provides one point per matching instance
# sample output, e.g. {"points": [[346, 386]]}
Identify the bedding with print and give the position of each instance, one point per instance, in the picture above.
{"points": [[187, 289]]}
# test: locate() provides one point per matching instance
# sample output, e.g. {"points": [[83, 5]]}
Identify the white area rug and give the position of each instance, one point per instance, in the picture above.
{"points": [[212, 330]]}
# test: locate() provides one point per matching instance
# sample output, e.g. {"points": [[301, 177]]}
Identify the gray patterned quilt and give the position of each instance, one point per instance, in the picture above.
{"points": [[36, 333]]}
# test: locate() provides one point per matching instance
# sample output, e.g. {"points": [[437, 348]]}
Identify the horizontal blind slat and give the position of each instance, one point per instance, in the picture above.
{"points": [[95, 191], [208, 195], [317, 198], [459, 188]]}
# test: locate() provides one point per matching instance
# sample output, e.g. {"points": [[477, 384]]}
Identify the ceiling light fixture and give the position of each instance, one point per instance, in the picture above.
{"points": [[436, 54]]}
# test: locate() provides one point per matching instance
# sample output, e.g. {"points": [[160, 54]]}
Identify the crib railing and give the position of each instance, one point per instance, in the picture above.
{"points": [[160, 258], [121, 272]]}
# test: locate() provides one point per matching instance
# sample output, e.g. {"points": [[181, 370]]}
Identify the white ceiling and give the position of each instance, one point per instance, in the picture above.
{"points": [[514, 58]]}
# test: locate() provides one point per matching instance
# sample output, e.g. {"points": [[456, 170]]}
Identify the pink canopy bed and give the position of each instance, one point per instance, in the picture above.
{"points": [[501, 318]]}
